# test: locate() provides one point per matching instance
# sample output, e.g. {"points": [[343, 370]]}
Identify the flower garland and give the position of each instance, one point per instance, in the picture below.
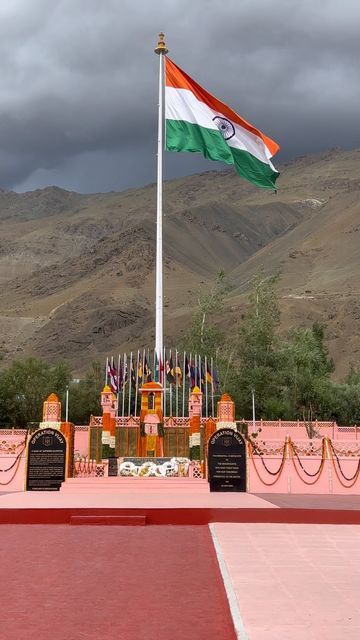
{"points": [[296, 461], [10, 447], [15, 464], [311, 475], [353, 478], [277, 473], [169, 468]]}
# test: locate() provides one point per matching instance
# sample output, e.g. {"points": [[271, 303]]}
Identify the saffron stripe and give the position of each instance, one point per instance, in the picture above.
{"points": [[177, 78]]}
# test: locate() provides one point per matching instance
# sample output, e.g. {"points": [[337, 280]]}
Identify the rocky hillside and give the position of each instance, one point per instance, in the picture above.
{"points": [[77, 271]]}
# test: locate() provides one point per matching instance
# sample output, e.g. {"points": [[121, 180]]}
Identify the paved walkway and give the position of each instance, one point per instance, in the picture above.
{"points": [[294, 582], [90, 583], [312, 501], [142, 500]]}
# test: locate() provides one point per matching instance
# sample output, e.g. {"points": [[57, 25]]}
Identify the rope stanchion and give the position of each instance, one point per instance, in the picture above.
{"points": [[259, 453], [311, 475], [278, 472], [318, 472], [17, 463], [327, 451], [353, 478]]}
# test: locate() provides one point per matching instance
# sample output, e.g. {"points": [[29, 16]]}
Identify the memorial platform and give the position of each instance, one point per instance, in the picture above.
{"points": [[116, 501]]}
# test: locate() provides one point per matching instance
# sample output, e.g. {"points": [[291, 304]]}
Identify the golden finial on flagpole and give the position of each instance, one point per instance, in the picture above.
{"points": [[161, 46]]}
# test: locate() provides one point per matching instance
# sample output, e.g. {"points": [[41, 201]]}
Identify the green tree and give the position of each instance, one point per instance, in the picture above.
{"points": [[353, 377], [204, 336], [24, 386], [256, 359], [306, 369], [84, 396]]}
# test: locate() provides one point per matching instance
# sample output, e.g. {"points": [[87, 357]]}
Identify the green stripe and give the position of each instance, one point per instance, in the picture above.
{"points": [[184, 136]]}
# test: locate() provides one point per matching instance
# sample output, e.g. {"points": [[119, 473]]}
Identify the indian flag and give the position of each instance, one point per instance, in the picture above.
{"points": [[197, 121]]}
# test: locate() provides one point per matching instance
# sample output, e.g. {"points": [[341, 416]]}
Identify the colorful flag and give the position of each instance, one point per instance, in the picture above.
{"points": [[124, 372], [170, 371], [202, 377], [157, 368], [192, 374], [187, 368], [132, 374], [197, 121], [140, 372], [112, 377], [216, 381], [147, 371], [178, 372], [120, 376], [209, 378]]}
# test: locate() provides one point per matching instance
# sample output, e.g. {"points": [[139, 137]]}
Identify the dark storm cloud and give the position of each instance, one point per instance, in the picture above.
{"points": [[78, 89]]}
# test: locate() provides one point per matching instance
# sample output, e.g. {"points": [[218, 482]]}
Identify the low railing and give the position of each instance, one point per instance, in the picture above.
{"points": [[87, 468], [280, 466]]}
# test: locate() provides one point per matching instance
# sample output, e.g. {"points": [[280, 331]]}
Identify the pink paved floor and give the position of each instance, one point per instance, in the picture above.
{"points": [[312, 501], [58, 500], [95, 583], [294, 582]]}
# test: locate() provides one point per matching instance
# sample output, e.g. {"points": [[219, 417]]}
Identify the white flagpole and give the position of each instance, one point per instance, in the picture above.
{"points": [[212, 387], [118, 385], [206, 388], [253, 410], [176, 385], [136, 382], [106, 370], [161, 50], [112, 369], [143, 369], [123, 385], [130, 381], [183, 384], [170, 386], [67, 404], [190, 364], [200, 385], [164, 394]]}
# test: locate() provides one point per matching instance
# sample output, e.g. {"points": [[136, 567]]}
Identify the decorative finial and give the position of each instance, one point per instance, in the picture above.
{"points": [[161, 46]]}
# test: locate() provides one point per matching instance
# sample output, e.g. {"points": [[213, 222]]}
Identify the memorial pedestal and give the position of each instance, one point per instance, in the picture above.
{"points": [[227, 461]]}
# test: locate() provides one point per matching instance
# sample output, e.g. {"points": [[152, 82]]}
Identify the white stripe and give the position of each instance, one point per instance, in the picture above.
{"points": [[231, 596], [182, 104]]}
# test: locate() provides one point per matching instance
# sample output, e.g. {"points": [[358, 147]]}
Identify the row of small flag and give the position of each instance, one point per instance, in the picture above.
{"points": [[139, 370]]}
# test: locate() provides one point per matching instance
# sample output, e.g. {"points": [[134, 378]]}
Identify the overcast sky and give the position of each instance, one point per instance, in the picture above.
{"points": [[78, 90]]}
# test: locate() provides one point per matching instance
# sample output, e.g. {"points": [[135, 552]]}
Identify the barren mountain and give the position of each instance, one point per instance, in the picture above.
{"points": [[77, 271]]}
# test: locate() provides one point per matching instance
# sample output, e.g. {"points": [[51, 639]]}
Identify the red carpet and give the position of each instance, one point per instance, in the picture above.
{"points": [[87, 583]]}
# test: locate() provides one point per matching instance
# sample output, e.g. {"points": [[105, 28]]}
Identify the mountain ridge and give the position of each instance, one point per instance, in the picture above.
{"points": [[78, 269]]}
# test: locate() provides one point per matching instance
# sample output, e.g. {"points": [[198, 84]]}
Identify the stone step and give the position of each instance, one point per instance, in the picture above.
{"points": [[137, 479], [135, 485]]}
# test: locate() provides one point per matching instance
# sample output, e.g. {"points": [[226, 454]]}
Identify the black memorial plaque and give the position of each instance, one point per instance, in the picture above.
{"points": [[113, 467], [227, 461], [46, 461]]}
